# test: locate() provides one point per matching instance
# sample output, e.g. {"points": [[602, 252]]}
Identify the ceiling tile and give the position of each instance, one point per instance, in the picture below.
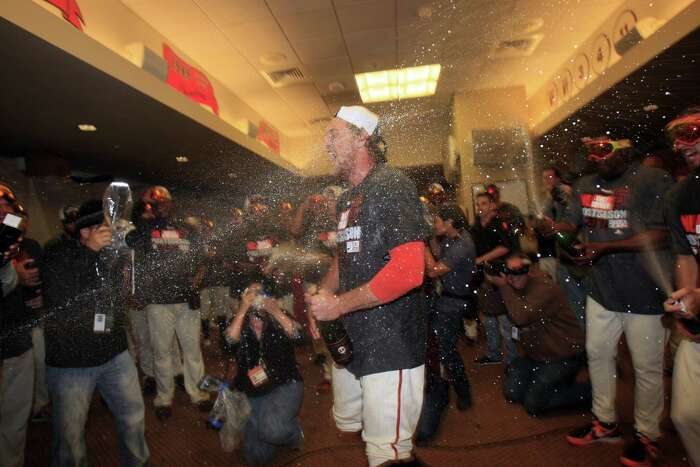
{"points": [[373, 63], [285, 7], [320, 48], [378, 14], [227, 12], [310, 24], [335, 66], [377, 42], [258, 38], [323, 84]]}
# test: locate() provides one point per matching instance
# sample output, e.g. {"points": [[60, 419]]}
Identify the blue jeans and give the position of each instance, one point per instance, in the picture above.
{"points": [[446, 324], [495, 327], [71, 392], [575, 292], [542, 386], [273, 422]]}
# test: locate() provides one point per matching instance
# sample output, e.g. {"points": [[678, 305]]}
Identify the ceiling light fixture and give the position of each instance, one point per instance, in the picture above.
{"points": [[401, 83], [182, 159], [87, 127]]}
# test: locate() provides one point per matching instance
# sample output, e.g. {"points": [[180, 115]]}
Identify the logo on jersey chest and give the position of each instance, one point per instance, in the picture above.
{"points": [[691, 225], [348, 233], [606, 211], [169, 239]]}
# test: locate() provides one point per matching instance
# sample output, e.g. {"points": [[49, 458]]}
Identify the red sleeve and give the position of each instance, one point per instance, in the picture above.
{"points": [[402, 273]]}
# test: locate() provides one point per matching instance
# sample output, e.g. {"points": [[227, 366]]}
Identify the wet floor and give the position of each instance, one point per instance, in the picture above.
{"points": [[492, 433]]}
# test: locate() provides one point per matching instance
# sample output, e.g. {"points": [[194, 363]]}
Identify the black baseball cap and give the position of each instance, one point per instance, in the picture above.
{"points": [[90, 213]]}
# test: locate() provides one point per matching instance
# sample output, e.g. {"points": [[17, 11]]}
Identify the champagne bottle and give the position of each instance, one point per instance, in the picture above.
{"points": [[568, 242], [337, 340]]}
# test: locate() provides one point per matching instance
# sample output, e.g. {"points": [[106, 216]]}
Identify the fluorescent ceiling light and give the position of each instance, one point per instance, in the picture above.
{"points": [[402, 83], [87, 127], [182, 159]]}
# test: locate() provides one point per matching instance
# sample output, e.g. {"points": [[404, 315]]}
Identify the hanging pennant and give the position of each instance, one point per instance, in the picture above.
{"points": [[71, 11], [189, 80]]}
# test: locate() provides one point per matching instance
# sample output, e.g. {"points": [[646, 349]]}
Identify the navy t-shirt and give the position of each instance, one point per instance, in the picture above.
{"points": [[376, 216], [458, 254]]}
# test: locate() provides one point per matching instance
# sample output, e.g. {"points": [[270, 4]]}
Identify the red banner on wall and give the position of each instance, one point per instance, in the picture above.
{"points": [[268, 136], [189, 80], [71, 11]]}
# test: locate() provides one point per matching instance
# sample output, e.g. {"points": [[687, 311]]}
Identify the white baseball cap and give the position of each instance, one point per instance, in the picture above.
{"points": [[359, 116]]}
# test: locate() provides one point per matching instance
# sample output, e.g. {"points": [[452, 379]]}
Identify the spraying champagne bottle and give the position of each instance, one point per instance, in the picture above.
{"points": [[568, 242], [336, 338]]}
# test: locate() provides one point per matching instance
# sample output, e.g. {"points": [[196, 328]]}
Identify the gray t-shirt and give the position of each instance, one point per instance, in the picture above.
{"points": [[458, 254], [610, 210], [374, 217]]}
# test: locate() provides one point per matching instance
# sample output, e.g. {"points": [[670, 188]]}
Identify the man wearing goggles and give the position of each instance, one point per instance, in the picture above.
{"points": [[619, 212], [551, 340], [684, 133], [682, 211], [601, 149]]}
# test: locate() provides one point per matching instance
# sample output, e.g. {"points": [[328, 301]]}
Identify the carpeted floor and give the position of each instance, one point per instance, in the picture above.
{"points": [[492, 433]]}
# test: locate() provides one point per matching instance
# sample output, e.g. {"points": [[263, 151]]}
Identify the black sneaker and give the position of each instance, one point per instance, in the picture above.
{"points": [[205, 406], [163, 412], [464, 400], [640, 452], [149, 386], [486, 360], [596, 432], [180, 381]]}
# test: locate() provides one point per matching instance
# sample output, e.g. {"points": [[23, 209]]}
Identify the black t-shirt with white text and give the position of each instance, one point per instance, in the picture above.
{"points": [[617, 209], [376, 216], [167, 256], [682, 213]]}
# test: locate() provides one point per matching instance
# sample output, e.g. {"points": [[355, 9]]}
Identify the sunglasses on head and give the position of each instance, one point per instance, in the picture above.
{"points": [[601, 149], [684, 131]]}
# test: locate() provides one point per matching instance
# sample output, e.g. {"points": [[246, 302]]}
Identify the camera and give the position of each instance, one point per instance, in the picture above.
{"points": [[10, 231]]}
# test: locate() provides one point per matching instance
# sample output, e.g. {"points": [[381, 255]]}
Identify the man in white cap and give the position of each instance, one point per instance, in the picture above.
{"points": [[372, 286]]}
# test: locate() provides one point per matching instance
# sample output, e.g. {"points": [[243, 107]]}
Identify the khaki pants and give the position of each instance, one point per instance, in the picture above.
{"points": [[16, 393], [164, 322], [385, 406], [140, 348], [645, 338], [41, 391], [215, 302], [685, 399]]}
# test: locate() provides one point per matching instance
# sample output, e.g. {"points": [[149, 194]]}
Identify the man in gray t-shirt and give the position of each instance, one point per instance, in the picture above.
{"points": [[619, 212]]}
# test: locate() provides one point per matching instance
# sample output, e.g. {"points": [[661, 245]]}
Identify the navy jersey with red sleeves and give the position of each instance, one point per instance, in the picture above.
{"points": [[617, 209], [379, 214]]}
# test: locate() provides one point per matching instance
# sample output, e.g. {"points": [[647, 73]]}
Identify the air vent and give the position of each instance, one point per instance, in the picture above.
{"points": [[286, 77], [516, 47]]}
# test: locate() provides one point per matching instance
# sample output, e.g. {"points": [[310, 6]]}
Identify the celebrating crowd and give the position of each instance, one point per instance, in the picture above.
{"points": [[382, 283]]}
